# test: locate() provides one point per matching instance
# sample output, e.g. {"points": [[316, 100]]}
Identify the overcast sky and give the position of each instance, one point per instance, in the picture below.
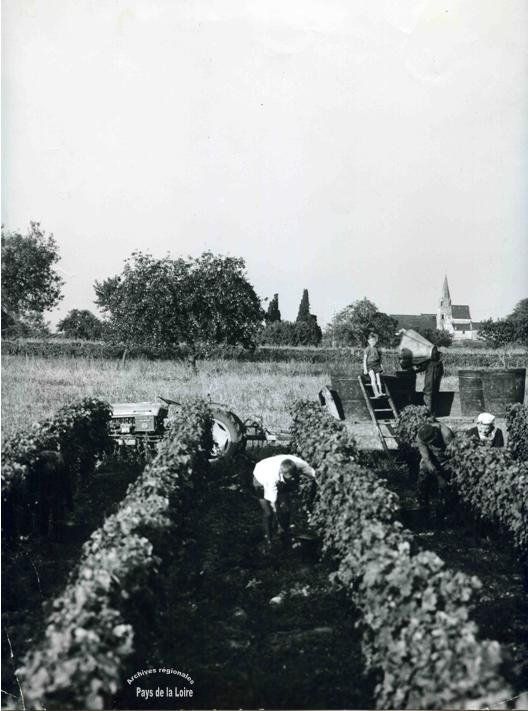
{"points": [[352, 148]]}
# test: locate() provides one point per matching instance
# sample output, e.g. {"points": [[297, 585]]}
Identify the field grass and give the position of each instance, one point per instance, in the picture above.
{"points": [[34, 387]]}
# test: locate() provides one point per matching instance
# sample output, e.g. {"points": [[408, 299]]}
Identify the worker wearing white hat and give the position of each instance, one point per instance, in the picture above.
{"points": [[485, 433]]}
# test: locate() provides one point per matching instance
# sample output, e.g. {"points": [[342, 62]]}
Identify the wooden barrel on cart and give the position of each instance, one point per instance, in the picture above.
{"points": [[502, 388], [347, 386], [471, 392], [491, 390]]}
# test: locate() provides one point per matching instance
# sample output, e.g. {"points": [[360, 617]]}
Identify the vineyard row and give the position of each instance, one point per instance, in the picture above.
{"points": [[493, 483], [87, 640], [416, 631], [336, 357], [79, 431]]}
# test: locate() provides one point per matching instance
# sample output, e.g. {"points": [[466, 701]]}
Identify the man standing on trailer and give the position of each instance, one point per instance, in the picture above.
{"points": [[434, 370], [275, 480]]}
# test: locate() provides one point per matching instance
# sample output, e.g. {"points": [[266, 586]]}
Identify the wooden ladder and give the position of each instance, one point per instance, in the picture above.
{"points": [[383, 412]]}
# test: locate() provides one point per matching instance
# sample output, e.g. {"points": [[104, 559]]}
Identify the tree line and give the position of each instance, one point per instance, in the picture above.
{"points": [[202, 302]]}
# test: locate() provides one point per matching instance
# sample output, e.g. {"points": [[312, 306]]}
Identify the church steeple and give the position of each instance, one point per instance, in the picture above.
{"points": [[444, 315], [446, 296]]}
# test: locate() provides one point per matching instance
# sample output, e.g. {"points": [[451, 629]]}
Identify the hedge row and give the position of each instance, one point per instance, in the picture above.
{"points": [[517, 424], [492, 482], [79, 664], [416, 629], [339, 358], [96, 349], [79, 431]]}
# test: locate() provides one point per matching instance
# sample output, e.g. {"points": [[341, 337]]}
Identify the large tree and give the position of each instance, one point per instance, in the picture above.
{"points": [[273, 314], [30, 283], [519, 319], [82, 324], [308, 333], [497, 334], [351, 326], [304, 308], [167, 302]]}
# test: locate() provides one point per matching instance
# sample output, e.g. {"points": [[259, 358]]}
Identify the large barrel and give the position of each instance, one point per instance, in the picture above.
{"points": [[471, 392], [502, 388], [352, 400]]}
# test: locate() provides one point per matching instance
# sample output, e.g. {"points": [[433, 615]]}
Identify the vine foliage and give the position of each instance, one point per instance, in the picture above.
{"points": [[517, 424], [78, 430], [88, 638], [416, 631]]}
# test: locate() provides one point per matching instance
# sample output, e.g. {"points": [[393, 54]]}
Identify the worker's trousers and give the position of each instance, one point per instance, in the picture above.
{"points": [[435, 485], [431, 401], [278, 519]]}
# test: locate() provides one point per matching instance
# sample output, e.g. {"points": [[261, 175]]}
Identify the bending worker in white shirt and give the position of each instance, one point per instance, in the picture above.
{"points": [[275, 479]]}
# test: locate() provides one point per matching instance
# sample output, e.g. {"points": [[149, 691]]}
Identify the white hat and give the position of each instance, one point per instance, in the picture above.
{"points": [[486, 418]]}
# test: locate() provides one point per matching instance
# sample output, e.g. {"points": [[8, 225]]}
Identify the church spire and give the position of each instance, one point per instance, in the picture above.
{"points": [[446, 296]]}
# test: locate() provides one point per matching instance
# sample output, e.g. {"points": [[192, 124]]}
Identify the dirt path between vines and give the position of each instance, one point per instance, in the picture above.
{"points": [[215, 619]]}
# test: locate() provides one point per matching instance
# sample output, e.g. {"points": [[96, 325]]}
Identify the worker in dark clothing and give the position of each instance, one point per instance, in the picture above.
{"points": [[485, 433], [51, 491], [434, 474], [434, 370]]}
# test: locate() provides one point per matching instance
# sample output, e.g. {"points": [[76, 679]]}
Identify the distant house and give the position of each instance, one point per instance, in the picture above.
{"points": [[453, 318]]}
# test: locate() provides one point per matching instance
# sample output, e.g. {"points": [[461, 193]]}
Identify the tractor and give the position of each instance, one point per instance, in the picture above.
{"points": [[142, 425]]}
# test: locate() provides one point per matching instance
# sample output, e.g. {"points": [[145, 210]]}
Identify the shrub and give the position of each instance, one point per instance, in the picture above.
{"points": [[493, 484], [287, 333], [79, 663], [416, 629], [517, 424]]}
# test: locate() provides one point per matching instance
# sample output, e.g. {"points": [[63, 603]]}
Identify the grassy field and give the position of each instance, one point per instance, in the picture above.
{"points": [[34, 387]]}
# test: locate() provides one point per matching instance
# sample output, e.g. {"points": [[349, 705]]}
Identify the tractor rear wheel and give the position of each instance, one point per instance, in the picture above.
{"points": [[228, 433]]}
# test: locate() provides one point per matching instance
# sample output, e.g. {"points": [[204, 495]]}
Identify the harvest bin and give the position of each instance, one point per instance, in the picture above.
{"points": [[402, 387], [490, 390], [349, 390]]}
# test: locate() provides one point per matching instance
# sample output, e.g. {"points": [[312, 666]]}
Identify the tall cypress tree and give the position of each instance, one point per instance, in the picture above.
{"points": [[304, 308], [273, 314]]}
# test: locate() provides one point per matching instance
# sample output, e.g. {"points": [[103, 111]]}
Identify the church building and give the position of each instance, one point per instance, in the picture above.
{"points": [[453, 318]]}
